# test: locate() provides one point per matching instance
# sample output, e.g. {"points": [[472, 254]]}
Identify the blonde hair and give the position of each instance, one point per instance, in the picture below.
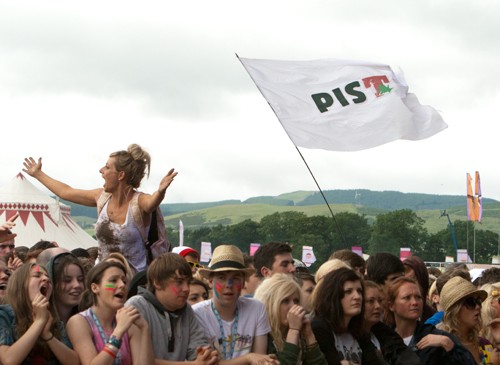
{"points": [[118, 257], [272, 292], [488, 313], [135, 162], [328, 266], [325, 268], [451, 323]]}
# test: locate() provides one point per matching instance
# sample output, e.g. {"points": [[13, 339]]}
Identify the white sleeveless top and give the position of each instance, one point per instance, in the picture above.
{"points": [[124, 238]]}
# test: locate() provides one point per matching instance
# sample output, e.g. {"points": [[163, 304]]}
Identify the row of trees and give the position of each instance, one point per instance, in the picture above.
{"points": [[389, 232]]}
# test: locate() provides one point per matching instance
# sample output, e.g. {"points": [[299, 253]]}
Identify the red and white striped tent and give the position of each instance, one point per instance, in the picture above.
{"points": [[40, 216]]}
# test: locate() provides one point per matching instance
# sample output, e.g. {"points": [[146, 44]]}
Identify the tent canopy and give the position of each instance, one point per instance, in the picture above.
{"points": [[40, 216]]}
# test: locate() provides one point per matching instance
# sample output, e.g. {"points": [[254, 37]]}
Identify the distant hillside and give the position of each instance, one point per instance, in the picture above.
{"points": [[366, 202], [389, 200]]}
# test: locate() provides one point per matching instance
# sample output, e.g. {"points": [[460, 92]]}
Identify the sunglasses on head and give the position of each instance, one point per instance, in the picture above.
{"points": [[195, 264], [472, 302]]}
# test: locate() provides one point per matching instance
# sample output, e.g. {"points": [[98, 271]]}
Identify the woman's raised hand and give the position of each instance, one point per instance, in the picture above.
{"points": [[40, 308], [295, 317], [125, 317], [167, 180], [31, 167]]}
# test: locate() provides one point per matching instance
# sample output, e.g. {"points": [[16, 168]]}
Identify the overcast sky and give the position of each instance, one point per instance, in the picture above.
{"points": [[79, 80]]}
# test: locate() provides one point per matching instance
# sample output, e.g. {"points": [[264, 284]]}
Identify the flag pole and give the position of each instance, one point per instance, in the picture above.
{"points": [[303, 159], [324, 197]]}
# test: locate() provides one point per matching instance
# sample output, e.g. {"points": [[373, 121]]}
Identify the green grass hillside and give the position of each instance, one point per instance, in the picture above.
{"points": [[228, 212]]}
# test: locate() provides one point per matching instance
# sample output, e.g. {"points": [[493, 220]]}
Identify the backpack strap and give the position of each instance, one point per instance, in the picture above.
{"points": [[103, 198], [136, 213]]}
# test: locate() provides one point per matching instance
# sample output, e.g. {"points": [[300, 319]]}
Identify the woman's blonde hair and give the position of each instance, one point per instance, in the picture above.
{"points": [[325, 268], [135, 162], [451, 323], [272, 292], [118, 257], [488, 313]]}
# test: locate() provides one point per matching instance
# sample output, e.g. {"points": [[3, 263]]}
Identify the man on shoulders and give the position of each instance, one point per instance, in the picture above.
{"points": [[175, 332]]}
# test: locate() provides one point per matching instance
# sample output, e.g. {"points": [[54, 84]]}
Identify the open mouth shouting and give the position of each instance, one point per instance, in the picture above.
{"points": [[44, 289]]}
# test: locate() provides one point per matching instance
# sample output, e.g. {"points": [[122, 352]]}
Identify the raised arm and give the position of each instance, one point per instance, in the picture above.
{"points": [[62, 190], [148, 203]]}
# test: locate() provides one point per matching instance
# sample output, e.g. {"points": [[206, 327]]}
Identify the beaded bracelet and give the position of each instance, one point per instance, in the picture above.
{"points": [[109, 352], [116, 342]]}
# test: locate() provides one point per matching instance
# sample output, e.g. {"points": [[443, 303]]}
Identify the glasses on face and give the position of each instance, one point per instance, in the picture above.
{"points": [[471, 302], [4, 247], [195, 264]]}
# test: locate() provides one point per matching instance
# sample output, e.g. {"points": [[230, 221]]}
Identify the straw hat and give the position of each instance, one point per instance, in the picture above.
{"points": [[226, 258], [456, 289]]}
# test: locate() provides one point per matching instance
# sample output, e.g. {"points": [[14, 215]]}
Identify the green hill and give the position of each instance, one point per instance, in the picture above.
{"points": [[365, 202]]}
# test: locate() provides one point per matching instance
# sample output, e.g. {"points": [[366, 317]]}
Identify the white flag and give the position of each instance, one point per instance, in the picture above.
{"points": [[181, 233], [342, 105]]}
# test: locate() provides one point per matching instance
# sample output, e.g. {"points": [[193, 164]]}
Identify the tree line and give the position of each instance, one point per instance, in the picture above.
{"points": [[388, 233]]}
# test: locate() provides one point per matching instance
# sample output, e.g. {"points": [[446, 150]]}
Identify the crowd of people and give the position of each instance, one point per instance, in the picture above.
{"points": [[109, 305]]}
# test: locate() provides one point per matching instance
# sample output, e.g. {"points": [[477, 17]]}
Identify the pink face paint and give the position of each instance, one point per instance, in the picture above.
{"points": [[36, 268], [174, 290], [218, 289], [110, 287]]}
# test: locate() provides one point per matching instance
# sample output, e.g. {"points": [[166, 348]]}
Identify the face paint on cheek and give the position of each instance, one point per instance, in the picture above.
{"points": [[238, 285], [175, 290], [110, 287], [218, 289]]}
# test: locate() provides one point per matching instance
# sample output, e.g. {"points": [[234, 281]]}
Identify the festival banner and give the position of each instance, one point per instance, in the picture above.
{"points": [[357, 250], [308, 257], [342, 105], [254, 247], [206, 252], [181, 233], [404, 253], [463, 256], [474, 200]]}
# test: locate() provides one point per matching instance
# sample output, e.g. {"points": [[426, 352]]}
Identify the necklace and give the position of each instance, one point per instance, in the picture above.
{"points": [[234, 331], [104, 337]]}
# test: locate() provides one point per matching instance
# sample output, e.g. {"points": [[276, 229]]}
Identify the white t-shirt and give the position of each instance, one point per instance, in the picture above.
{"points": [[252, 321], [348, 348]]}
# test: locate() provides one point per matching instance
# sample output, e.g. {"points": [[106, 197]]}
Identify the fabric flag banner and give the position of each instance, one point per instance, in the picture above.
{"points": [[404, 253], [342, 105], [254, 247], [463, 256], [308, 257], [357, 250], [181, 233], [206, 252], [474, 200]]}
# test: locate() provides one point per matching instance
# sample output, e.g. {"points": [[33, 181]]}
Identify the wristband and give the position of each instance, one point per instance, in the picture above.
{"points": [[47, 340], [109, 352], [295, 329], [112, 348], [116, 342]]}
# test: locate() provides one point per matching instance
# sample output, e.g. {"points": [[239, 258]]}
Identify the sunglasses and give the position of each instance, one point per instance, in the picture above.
{"points": [[195, 264], [3, 247], [471, 302]]}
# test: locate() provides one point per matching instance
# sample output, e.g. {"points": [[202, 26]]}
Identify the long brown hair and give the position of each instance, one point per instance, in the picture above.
{"points": [[19, 299]]}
